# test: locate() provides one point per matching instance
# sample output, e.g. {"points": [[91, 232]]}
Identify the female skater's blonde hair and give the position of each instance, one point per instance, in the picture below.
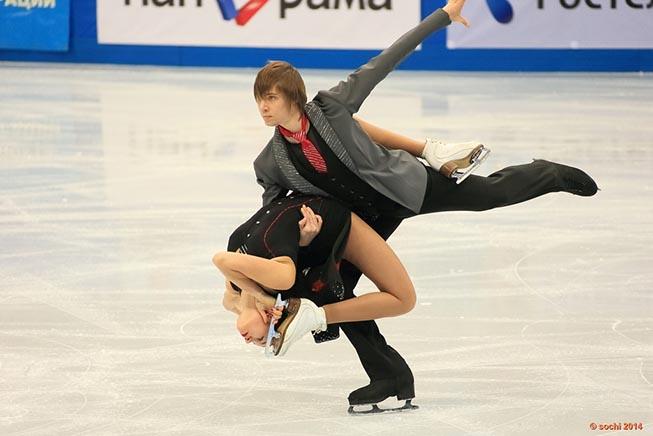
{"points": [[287, 81]]}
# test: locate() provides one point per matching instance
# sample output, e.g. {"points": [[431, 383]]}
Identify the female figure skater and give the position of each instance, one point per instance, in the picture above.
{"points": [[264, 258]]}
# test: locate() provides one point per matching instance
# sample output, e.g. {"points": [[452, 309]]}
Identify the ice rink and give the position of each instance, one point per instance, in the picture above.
{"points": [[118, 184]]}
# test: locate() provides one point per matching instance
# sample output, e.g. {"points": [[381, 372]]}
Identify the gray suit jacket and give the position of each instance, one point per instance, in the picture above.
{"points": [[394, 173]]}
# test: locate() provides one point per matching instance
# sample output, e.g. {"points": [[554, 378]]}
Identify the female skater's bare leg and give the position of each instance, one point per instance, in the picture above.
{"points": [[367, 251]]}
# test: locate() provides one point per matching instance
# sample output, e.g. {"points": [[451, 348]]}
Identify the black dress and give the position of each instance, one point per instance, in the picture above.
{"points": [[273, 231]]}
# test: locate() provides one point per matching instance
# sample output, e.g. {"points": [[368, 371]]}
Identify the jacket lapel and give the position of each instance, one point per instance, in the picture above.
{"points": [[295, 180]]}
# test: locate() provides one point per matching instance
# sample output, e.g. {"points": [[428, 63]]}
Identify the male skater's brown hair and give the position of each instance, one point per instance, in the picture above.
{"points": [[287, 80]]}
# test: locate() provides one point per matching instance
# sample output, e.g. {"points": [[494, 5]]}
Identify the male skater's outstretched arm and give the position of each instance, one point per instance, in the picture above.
{"points": [[352, 92]]}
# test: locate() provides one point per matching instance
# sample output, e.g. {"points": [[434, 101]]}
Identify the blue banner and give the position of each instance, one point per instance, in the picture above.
{"points": [[35, 24]]}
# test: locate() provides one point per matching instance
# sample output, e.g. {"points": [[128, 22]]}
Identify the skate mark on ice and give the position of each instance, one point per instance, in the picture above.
{"points": [[551, 401]]}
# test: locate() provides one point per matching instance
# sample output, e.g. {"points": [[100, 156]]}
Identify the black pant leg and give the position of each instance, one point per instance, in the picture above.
{"points": [[379, 359], [510, 185]]}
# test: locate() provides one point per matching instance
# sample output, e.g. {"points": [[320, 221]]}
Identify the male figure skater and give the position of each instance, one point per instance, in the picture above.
{"points": [[319, 148]]}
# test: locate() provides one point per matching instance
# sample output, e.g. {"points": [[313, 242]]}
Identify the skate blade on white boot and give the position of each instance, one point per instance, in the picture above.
{"points": [[460, 174]]}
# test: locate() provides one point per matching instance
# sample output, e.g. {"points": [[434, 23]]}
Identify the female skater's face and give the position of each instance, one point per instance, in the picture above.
{"points": [[274, 108], [252, 326]]}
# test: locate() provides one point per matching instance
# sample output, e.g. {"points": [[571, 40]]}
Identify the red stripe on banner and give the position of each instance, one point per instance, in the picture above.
{"points": [[249, 10]]}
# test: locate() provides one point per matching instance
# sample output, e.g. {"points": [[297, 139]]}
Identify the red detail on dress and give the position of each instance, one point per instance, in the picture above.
{"points": [[318, 285]]}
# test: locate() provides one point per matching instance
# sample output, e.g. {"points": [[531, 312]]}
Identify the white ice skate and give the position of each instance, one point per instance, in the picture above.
{"points": [[455, 161], [301, 317]]}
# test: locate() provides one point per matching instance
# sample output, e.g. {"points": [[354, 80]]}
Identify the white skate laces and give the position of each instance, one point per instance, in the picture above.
{"points": [[301, 316], [455, 161]]}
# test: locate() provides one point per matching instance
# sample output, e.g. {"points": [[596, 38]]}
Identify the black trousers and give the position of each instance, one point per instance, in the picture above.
{"points": [[510, 185], [379, 359]]}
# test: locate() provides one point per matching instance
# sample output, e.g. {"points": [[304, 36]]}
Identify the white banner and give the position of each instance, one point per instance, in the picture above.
{"points": [[609, 24], [339, 24]]}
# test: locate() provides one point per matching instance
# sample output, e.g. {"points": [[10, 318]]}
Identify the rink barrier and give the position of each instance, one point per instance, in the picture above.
{"points": [[433, 56]]}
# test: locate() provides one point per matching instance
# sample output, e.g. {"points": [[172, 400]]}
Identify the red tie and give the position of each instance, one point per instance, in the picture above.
{"points": [[308, 148]]}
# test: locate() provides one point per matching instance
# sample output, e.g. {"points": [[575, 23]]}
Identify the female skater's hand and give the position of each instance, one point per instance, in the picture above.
{"points": [[454, 8], [309, 226], [274, 314]]}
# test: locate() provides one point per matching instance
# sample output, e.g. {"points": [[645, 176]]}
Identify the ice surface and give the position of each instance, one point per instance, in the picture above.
{"points": [[118, 184]]}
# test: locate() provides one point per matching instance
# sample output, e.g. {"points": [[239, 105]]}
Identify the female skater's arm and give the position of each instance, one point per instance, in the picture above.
{"points": [[277, 273], [391, 140], [253, 297]]}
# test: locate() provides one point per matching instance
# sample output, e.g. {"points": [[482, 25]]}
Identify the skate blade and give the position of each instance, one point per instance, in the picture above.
{"points": [[291, 307], [273, 336], [376, 409], [460, 175], [270, 342]]}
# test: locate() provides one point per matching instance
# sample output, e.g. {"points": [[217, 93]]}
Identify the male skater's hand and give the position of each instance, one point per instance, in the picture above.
{"points": [[309, 226], [453, 8]]}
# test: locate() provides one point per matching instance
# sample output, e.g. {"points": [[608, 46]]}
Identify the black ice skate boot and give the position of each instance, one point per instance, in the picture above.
{"points": [[573, 180], [403, 387]]}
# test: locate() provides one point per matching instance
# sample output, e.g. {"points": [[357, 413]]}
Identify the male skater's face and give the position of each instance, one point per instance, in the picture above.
{"points": [[274, 108]]}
